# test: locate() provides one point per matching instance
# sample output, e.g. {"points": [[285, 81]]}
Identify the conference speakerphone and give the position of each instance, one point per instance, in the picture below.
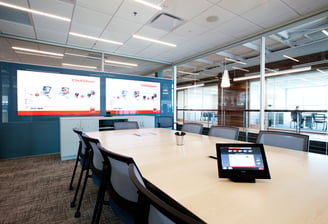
{"points": [[242, 162]]}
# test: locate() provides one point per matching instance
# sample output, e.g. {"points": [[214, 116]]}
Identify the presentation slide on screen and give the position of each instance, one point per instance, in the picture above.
{"points": [[132, 97], [41, 93]]}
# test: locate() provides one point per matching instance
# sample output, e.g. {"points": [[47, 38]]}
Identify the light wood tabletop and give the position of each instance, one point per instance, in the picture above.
{"points": [[296, 193]]}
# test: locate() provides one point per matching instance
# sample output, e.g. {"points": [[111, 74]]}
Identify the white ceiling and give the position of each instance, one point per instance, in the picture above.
{"points": [[207, 25]]}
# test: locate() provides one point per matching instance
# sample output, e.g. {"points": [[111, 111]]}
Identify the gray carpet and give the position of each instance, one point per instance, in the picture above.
{"points": [[35, 190]]}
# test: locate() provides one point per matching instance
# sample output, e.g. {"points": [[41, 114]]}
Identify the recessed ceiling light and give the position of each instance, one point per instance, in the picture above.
{"points": [[291, 58], [149, 4], [95, 38], [37, 51], [34, 11], [155, 41]]}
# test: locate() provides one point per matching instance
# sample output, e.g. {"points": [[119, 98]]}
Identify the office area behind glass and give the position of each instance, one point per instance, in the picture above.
{"points": [[294, 89]]}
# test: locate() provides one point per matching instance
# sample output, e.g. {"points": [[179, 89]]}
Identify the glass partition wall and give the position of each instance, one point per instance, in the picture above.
{"points": [[294, 89]]}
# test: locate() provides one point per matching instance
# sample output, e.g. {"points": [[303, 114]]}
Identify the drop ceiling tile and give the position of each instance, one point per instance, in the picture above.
{"points": [[51, 35], [214, 1], [81, 42], [22, 3], [59, 8], [238, 28], [106, 47], [124, 28], [190, 29], [215, 12], [305, 6], [135, 12], [133, 46], [88, 22], [242, 6], [150, 32], [186, 9], [262, 15], [152, 51], [102, 6], [16, 29]]}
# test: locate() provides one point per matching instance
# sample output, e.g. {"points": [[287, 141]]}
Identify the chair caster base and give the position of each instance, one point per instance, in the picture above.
{"points": [[72, 204], [77, 215]]}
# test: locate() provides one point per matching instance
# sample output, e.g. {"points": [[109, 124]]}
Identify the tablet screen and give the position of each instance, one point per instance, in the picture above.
{"points": [[242, 161]]}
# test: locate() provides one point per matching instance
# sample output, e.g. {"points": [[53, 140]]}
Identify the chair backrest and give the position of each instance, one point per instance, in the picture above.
{"points": [[119, 184], [192, 128], [96, 155], [126, 125], [319, 117], [165, 122], [284, 139], [83, 149], [155, 210], [224, 132]]}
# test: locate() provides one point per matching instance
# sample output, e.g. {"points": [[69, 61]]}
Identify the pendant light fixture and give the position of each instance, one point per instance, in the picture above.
{"points": [[225, 82]]}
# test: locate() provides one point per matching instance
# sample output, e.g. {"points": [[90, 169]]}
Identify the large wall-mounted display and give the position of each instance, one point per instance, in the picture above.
{"points": [[132, 97], [42, 93]]}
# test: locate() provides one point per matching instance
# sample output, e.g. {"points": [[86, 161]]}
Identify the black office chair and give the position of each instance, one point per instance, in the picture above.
{"points": [[165, 122], [126, 125], [224, 132], [158, 210], [320, 119], [284, 140], [192, 128], [123, 194], [96, 166], [82, 157]]}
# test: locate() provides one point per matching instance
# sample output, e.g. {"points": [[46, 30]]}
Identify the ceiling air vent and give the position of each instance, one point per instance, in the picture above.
{"points": [[165, 21]]}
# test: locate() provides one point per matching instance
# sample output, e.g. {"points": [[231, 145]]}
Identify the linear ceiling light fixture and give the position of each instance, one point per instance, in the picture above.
{"points": [[319, 70], [149, 4], [153, 40], [241, 69], [188, 87], [236, 61], [95, 38], [188, 73], [83, 56], [34, 11], [270, 70], [291, 58], [37, 51], [79, 66], [325, 32], [271, 74], [38, 55], [121, 63]]}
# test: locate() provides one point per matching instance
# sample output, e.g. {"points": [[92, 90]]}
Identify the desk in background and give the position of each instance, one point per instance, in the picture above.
{"points": [[297, 192]]}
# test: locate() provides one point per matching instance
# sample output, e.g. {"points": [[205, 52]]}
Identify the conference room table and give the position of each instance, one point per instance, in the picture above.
{"points": [[296, 193]]}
